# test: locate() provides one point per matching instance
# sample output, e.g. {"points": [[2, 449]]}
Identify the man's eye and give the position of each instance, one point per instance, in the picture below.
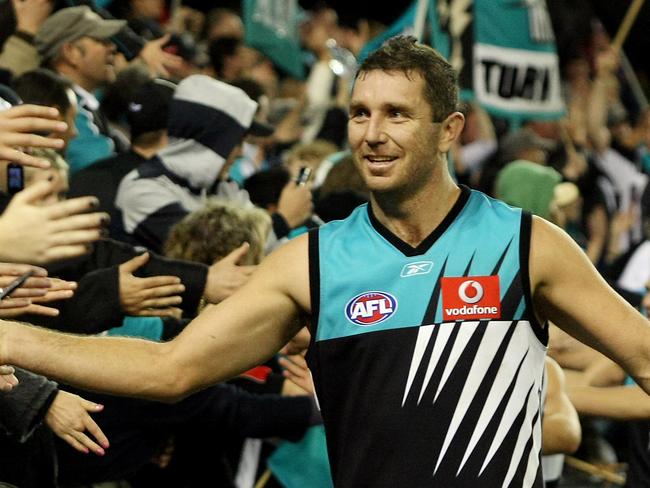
{"points": [[358, 113]]}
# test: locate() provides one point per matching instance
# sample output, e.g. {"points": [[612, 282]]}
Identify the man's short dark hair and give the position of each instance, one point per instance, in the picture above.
{"points": [[404, 54], [43, 87]]}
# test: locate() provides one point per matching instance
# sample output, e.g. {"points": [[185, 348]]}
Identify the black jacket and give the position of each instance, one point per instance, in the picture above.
{"points": [[95, 306], [26, 445]]}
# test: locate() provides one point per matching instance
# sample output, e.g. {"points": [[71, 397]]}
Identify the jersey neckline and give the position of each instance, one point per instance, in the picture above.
{"points": [[404, 247]]}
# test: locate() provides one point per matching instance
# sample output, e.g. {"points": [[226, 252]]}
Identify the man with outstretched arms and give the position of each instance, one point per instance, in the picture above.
{"points": [[428, 308]]}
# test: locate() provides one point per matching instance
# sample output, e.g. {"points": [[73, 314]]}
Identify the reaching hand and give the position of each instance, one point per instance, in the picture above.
{"points": [[296, 371], [30, 14], [7, 378], [18, 126], [37, 289], [68, 418], [226, 275], [30, 233], [295, 203], [34, 286], [152, 296], [298, 343], [157, 60]]}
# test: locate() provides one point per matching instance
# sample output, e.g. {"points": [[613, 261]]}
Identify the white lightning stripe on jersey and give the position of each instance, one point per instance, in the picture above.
{"points": [[463, 337], [484, 355], [497, 331], [529, 374], [533, 458], [532, 408], [444, 332], [424, 334]]}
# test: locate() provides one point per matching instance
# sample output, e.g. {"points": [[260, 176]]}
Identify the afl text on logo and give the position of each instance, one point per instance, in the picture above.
{"points": [[370, 308], [471, 297]]}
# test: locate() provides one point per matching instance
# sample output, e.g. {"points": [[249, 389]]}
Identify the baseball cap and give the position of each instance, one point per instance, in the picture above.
{"points": [[224, 97], [70, 24], [528, 185], [148, 110], [514, 143], [213, 112]]}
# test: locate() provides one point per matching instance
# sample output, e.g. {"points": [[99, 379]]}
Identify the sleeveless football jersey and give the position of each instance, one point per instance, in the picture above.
{"points": [[428, 361]]}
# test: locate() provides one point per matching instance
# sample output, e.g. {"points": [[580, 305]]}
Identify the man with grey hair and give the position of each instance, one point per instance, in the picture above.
{"points": [[76, 43]]}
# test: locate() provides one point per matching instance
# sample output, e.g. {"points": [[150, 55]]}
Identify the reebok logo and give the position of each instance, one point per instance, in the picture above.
{"points": [[471, 297], [414, 269]]}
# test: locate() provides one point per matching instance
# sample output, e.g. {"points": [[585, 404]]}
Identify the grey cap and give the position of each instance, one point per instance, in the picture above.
{"points": [[514, 143], [70, 24]]}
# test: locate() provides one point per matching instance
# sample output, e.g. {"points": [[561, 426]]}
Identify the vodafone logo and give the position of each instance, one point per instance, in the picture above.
{"points": [[370, 308], [471, 297]]}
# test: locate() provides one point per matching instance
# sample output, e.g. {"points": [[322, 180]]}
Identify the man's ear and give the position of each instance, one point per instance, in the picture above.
{"points": [[69, 53], [450, 130]]}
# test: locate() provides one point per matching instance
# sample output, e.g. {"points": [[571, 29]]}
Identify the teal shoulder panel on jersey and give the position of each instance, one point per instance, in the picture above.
{"points": [[367, 284]]}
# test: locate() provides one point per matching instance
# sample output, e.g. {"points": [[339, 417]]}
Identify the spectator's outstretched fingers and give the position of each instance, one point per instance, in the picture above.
{"points": [[24, 301], [7, 378], [17, 139], [67, 252], [68, 417], [17, 269], [19, 127], [69, 208], [75, 237], [34, 286], [6, 369], [33, 233], [31, 308], [296, 203], [28, 117], [24, 159], [58, 290], [226, 275], [164, 296], [160, 62], [295, 370], [175, 312], [298, 343], [150, 296], [12, 303]]}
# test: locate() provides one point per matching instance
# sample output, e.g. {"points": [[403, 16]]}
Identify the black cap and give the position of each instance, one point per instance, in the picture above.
{"points": [[148, 111], [185, 46]]}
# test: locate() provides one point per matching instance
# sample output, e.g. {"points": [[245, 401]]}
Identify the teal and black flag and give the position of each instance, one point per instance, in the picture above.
{"points": [[271, 26], [503, 50]]}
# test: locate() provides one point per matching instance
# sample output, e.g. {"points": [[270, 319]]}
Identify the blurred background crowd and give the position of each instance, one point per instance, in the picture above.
{"points": [[200, 136]]}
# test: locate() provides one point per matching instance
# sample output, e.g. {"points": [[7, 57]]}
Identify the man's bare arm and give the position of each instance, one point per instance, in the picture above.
{"points": [[617, 402], [224, 340], [568, 290], [561, 431]]}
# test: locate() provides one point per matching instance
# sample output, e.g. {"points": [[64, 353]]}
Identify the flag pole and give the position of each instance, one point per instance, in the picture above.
{"points": [[420, 17], [633, 81], [626, 24]]}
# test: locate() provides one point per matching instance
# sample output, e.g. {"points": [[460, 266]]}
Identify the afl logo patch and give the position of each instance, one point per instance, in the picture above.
{"points": [[370, 308]]}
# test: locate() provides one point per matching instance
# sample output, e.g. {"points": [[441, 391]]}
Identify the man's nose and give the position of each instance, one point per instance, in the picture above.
{"points": [[375, 131]]}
